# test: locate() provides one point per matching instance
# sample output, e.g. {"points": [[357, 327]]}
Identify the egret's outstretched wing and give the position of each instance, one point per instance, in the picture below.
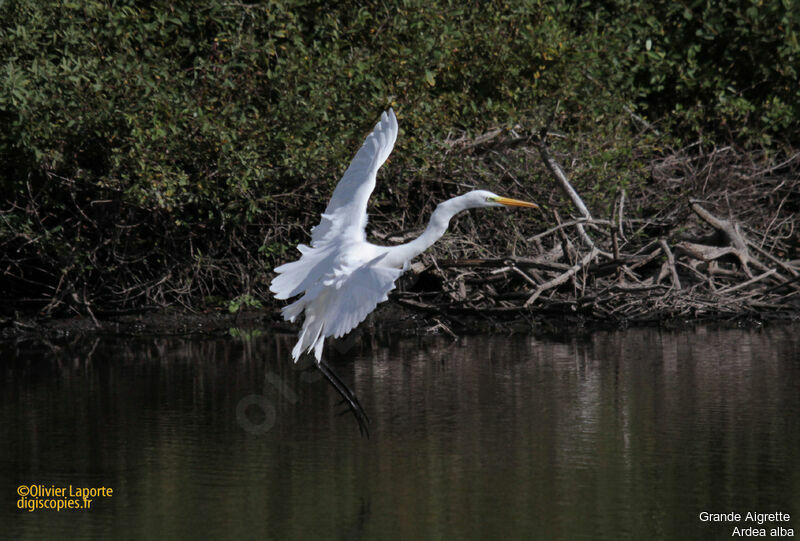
{"points": [[337, 304], [338, 292], [346, 215]]}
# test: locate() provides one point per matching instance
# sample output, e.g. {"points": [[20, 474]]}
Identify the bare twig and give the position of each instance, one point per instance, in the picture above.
{"points": [[748, 283]]}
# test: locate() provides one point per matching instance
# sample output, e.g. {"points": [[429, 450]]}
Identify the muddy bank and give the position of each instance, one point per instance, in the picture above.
{"points": [[390, 319]]}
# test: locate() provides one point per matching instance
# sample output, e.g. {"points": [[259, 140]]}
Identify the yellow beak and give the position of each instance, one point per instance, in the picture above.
{"points": [[515, 203]]}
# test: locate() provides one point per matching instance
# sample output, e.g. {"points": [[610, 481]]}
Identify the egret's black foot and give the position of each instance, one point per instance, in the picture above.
{"points": [[348, 397]]}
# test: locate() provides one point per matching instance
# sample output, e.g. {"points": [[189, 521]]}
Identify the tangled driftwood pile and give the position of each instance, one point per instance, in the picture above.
{"points": [[684, 262]]}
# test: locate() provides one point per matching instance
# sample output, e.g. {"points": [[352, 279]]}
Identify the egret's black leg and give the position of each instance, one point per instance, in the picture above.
{"points": [[347, 395]]}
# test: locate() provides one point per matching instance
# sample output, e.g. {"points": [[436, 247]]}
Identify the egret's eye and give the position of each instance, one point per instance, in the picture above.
{"points": [[489, 199]]}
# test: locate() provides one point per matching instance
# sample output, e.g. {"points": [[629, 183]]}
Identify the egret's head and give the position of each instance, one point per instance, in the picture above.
{"points": [[482, 198]]}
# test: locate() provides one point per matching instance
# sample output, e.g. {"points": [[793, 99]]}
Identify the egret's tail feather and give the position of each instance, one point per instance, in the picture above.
{"points": [[318, 348], [310, 337], [297, 350]]}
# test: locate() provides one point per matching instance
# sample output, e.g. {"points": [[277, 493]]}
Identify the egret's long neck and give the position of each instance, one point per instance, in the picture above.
{"points": [[437, 226]]}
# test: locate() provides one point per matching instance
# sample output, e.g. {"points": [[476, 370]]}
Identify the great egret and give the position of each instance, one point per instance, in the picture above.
{"points": [[341, 276]]}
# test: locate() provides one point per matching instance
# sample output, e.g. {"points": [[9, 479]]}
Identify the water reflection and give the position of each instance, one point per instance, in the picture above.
{"points": [[621, 435]]}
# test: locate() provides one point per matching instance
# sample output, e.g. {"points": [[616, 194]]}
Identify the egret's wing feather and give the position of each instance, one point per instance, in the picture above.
{"points": [[297, 276], [335, 306], [357, 296], [346, 213]]}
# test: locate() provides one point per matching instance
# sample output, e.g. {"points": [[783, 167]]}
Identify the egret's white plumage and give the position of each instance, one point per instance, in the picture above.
{"points": [[341, 276]]}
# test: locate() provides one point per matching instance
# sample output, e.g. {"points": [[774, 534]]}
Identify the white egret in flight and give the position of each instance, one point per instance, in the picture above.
{"points": [[341, 277]]}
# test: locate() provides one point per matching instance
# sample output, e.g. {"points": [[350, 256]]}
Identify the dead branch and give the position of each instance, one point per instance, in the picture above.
{"points": [[676, 283], [562, 278], [748, 283], [566, 187], [731, 232]]}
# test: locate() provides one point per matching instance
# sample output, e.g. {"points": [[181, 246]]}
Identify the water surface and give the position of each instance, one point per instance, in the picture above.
{"points": [[620, 435]]}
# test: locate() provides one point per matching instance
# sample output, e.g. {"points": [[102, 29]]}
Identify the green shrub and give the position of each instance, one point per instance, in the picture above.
{"points": [[725, 69]]}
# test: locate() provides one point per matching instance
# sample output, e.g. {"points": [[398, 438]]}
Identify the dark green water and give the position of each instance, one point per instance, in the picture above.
{"points": [[627, 435]]}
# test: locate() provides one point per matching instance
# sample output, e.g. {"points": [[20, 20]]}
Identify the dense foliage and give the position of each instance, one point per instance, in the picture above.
{"points": [[173, 150]]}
